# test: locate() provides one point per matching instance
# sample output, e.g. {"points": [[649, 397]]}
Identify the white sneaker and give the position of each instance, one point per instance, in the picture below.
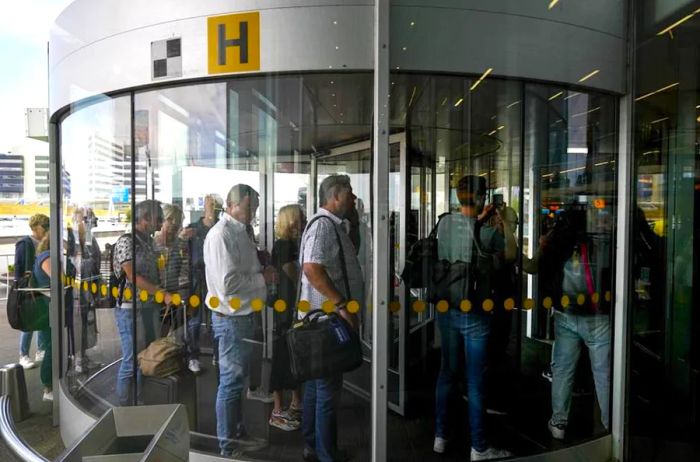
{"points": [[260, 395], [26, 362], [39, 356], [439, 445], [490, 453], [558, 431], [193, 366], [48, 395]]}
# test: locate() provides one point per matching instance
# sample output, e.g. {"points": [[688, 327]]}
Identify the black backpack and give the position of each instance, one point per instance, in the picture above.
{"points": [[421, 260]]}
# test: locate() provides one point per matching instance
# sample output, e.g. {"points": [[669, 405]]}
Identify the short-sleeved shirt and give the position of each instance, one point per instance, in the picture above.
{"points": [[146, 264], [319, 244], [456, 237]]}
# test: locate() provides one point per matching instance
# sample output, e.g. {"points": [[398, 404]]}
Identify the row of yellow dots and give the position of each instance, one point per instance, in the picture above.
{"points": [[419, 306]]}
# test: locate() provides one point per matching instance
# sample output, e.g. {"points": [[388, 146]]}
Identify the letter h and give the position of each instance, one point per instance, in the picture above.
{"points": [[241, 41]]}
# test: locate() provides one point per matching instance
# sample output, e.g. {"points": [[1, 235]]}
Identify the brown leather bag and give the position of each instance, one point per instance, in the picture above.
{"points": [[163, 357]]}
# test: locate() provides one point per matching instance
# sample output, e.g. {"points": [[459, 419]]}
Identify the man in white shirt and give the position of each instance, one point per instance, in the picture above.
{"points": [[235, 282]]}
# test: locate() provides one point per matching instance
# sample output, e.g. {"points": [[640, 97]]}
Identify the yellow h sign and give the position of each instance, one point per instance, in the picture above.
{"points": [[234, 43]]}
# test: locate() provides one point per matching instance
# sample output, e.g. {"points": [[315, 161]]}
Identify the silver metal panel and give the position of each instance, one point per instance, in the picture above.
{"points": [[380, 228], [73, 420]]}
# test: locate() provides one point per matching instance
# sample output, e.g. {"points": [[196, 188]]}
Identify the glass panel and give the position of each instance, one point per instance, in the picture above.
{"points": [[96, 179], [228, 255], [664, 367]]}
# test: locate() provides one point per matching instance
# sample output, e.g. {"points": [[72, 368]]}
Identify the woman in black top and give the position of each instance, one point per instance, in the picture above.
{"points": [[285, 258]]}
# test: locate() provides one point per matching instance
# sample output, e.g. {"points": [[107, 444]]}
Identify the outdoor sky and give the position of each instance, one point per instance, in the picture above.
{"points": [[24, 33]]}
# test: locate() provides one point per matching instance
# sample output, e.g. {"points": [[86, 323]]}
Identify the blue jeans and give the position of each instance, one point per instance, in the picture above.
{"points": [[146, 333], [570, 331], [194, 326], [25, 342], [234, 354], [473, 330], [319, 422]]}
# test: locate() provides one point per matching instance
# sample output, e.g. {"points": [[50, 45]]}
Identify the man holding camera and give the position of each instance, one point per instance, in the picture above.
{"points": [[465, 239]]}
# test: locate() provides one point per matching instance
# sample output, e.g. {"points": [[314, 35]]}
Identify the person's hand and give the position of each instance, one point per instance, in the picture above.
{"points": [[167, 298], [270, 275], [186, 234], [486, 212]]}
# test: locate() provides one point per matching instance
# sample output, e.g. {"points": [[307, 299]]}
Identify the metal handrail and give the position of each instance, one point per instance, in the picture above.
{"points": [[13, 440]]}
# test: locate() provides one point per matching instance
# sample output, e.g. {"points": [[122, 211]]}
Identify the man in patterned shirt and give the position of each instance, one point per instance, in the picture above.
{"points": [[138, 271], [322, 279]]}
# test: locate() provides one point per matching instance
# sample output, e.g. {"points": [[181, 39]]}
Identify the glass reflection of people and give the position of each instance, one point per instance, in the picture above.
{"points": [[235, 279], [84, 258], [361, 237], [174, 266], [575, 264], [285, 258], [138, 271], [470, 330], [42, 278], [323, 279], [195, 234], [25, 251]]}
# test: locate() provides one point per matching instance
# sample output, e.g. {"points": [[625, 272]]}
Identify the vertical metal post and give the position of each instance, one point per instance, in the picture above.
{"points": [[135, 305], [621, 307], [380, 225], [57, 301]]}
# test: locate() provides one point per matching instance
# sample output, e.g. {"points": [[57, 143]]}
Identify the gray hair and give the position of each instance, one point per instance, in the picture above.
{"points": [[148, 209], [239, 192], [331, 186]]}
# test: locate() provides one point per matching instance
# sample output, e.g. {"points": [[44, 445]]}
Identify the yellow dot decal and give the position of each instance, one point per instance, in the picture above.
{"points": [[395, 306], [257, 304], [143, 295], [115, 292], [595, 298], [528, 304], [565, 301], [159, 296], [93, 288], [465, 306], [547, 302], [234, 303], [328, 306], [176, 299], [487, 305], [85, 286], [581, 299], [608, 296], [303, 306], [509, 304], [194, 301], [103, 290], [419, 306], [214, 302], [442, 306], [353, 307], [280, 306], [127, 294]]}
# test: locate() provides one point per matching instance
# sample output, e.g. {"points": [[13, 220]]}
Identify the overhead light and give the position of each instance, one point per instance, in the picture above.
{"points": [[667, 87], [573, 170], [492, 132], [335, 23], [483, 76], [413, 23], [512, 104], [404, 48], [679, 22], [556, 96], [547, 175], [337, 47], [587, 112], [459, 101], [586, 77], [501, 127], [572, 95], [577, 150], [173, 105], [552, 4], [600, 163], [332, 82], [444, 101], [658, 120]]}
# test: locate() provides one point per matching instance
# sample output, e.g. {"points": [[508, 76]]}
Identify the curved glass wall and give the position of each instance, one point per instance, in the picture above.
{"points": [[546, 153]]}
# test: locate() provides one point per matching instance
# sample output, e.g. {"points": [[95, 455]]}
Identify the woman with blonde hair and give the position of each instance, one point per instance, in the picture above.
{"points": [[285, 258]]}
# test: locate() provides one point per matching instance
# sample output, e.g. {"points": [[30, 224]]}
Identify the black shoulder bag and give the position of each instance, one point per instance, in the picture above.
{"points": [[323, 344]]}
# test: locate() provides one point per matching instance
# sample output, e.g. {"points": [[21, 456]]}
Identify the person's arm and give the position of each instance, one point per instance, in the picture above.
{"points": [[20, 250], [46, 266], [318, 278], [142, 283]]}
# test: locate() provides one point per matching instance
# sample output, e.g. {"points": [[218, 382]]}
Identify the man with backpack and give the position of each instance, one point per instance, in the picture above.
{"points": [[25, 252], [469, 251]]}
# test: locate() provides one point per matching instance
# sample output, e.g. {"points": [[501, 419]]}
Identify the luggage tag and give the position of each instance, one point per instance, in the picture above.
{"points": [[339, 330]]}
